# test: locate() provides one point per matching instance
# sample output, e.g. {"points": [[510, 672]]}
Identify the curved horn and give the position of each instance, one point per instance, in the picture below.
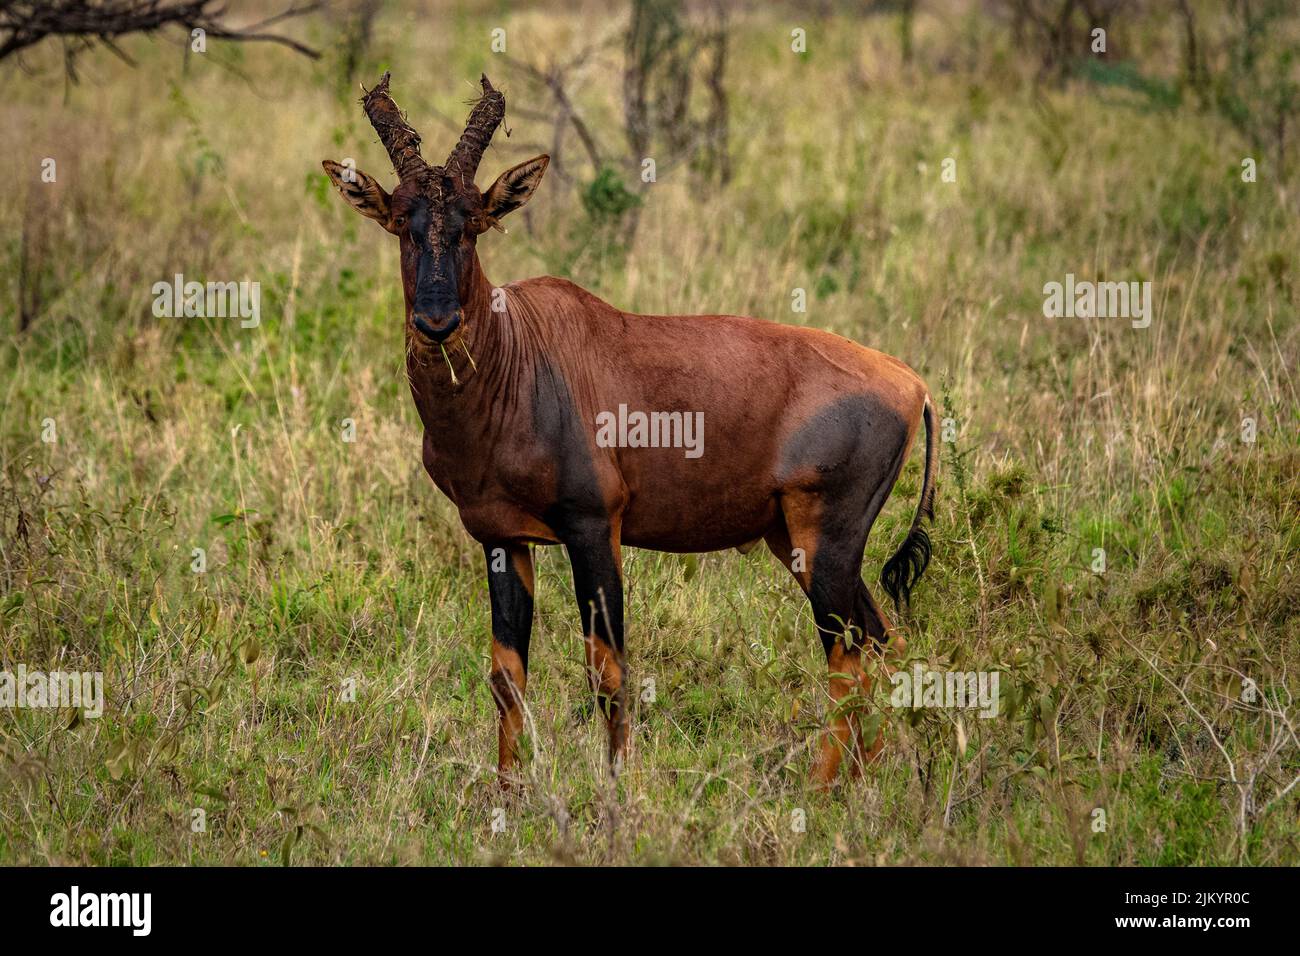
{"points": [[483, 120], [401, 141]]}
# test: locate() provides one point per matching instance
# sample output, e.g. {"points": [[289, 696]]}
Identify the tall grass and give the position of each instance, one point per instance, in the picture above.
{"points": [[334, 565]]}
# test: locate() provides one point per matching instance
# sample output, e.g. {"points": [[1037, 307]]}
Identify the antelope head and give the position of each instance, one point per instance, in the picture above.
{"points": [[436, 212]]}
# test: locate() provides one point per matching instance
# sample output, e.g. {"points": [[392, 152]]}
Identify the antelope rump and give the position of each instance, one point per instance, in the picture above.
{"points": [[807, 433]]}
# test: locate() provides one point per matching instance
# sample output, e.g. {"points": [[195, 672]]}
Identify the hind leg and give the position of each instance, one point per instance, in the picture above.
{"points": [[840, 625], [840, 468], [882, 645], [888, 647], [827, 561]]}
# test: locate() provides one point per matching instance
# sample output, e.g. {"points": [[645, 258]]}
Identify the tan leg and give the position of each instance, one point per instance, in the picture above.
{"points": [[845, 677], [605, 671], [884, 647], [508, 681], [596, 557], [510, 586]]}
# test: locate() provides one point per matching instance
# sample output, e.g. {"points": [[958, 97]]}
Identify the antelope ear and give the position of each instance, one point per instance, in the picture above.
{"points": [[362, 192], [513, 188]]}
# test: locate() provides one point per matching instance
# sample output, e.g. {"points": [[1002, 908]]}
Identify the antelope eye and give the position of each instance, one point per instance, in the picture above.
{"points": [[400, 221]]}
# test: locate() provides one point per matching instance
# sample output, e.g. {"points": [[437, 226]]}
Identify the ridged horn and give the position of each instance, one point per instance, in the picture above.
{"points": [[401, 141], [484, 118]]}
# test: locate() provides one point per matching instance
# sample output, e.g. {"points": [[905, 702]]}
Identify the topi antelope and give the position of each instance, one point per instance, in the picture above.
{"points": [[808, 433]]}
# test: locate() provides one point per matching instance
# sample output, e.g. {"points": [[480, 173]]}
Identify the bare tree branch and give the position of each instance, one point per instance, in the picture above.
{"points": [[83, 23]]}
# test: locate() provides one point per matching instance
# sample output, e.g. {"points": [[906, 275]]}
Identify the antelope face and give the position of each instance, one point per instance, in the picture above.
{"points": [[436, 212], [432, 224]]}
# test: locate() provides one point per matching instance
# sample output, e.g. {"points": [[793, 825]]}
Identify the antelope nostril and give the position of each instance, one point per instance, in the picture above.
{"points": [[436, 329]]}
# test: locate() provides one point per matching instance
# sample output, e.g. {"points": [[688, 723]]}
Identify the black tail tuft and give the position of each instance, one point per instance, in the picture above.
{"points": [[904, 569]]}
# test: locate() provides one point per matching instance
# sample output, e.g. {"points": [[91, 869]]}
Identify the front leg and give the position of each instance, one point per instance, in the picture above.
{"points": [[510, 586], [598, 584]]}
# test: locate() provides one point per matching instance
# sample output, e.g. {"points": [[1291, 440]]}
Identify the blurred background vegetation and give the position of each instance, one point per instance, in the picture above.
{"points": [[1158, 690]]}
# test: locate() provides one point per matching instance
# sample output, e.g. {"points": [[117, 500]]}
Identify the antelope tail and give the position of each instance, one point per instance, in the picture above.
{"points": [[904, 569]]}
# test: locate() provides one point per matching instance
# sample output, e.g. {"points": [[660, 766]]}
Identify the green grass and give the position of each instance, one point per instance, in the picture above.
{"points": [[334, 564]]}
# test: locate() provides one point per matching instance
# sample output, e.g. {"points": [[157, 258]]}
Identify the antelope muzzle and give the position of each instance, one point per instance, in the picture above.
{"points": [[436, 324], [436, 309]]}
